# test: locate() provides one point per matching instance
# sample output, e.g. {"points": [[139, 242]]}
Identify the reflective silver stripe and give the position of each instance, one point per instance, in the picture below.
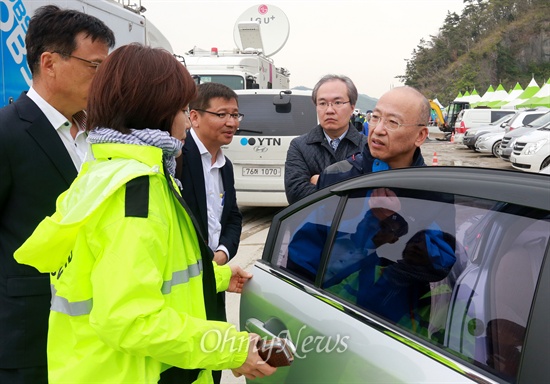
{"points": [[62, 305], [78, 308], [182, 277]]}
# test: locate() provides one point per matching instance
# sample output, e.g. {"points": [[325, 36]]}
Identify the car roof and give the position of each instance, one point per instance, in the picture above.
{"points": [[458, 180], [271, 92]]}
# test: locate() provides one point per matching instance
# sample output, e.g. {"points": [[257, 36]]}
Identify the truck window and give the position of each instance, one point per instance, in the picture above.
{"points": [[233, 82], [261, 115]]}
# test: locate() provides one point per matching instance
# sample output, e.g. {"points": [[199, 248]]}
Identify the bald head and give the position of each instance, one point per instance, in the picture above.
{"points": [[399, 126], [414, 101]]}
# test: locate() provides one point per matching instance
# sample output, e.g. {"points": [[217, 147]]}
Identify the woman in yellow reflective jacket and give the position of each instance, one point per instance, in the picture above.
{"points": [[133, 282]]}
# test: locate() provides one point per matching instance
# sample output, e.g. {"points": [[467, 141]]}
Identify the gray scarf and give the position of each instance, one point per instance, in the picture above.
{"points": [[161, 139]]}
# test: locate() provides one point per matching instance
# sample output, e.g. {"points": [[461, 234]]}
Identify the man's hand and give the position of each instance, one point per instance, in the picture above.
{"points": [[383, 203], [238, 277], [254, 366], [313, 180], [220, 257]]}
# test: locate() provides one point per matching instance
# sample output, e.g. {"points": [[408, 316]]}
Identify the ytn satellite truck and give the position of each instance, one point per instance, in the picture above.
{"points": [[248, 69]]}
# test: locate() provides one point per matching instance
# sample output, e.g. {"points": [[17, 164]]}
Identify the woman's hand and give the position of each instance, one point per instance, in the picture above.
{"points": [[254, 366]]}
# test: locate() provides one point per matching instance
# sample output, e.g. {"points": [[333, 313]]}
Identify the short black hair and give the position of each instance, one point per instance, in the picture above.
{"points": [[54, 29], [209, 91]]}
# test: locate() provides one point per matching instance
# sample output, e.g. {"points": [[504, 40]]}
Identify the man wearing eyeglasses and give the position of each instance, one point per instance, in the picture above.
{"points": [[42, 145], [206, 175], [334, 139], [397, 129]]}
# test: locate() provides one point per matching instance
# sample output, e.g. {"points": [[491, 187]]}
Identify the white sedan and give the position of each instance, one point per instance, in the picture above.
{"points": [[531, 152], [489, 143]]}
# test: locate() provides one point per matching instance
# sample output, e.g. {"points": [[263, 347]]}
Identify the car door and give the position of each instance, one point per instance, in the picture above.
{"points": [[362, 301]]}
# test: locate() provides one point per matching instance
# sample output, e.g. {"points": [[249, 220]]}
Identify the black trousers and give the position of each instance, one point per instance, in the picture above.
{"points": [[31, 375]]}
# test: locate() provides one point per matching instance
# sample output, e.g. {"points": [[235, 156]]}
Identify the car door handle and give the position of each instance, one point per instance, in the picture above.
{"points": [[256, 326], [272, 328]]}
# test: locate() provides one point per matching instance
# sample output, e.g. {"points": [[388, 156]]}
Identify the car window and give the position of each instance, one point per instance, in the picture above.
{"points": [[263, 118], [459, 273], [539, 121], [306, 228], [500, 115], [530, 118]]}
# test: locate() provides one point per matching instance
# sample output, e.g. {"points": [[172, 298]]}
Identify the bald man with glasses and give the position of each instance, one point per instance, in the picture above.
{"points": [[397, 129], [332, 140]]}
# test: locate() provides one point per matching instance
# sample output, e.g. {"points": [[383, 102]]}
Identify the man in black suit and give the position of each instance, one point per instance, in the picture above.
{"points": [[42, 145], [206, 174]]}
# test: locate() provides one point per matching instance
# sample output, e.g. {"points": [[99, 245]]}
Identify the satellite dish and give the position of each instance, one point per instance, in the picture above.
{"points": [[251, 37], [273, 25]]}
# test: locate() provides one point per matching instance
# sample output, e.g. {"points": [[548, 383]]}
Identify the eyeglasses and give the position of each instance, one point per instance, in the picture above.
{"points": [[94, 64], [222, 115], [335, 104], [187, 112], [389, 124]]}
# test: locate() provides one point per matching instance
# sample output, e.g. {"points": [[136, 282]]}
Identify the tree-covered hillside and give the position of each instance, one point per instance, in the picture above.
{"points": [[492, 42]]}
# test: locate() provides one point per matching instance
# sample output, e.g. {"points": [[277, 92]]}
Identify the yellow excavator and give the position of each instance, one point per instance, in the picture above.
{"points": [[446, 123]]}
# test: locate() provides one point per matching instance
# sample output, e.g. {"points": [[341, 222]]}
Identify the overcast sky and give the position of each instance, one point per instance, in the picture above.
{"points": [[367, 40]]}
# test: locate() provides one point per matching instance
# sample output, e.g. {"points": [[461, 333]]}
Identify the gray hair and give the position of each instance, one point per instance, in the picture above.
{"points": [[352, 90]]}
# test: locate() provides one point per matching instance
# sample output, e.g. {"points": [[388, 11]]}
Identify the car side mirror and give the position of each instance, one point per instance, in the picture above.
{"points": [[283, 98]]}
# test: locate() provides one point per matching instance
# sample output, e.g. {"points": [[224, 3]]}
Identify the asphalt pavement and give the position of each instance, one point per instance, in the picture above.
{"points": [[454, 154]]}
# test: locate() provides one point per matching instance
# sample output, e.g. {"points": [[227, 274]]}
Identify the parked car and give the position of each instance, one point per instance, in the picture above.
{"points": [[335, 287], [525, 117], [489, 143], [531, 152], [472, 134], [509, 138], [471, 118], [272, 118]]}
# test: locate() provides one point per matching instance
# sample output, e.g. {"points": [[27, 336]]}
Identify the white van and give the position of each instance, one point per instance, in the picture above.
{"points": [[272, 118], [470, 118]]}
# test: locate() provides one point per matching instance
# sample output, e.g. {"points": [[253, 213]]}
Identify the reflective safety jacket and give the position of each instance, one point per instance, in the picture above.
{"points": [[127, 293]]}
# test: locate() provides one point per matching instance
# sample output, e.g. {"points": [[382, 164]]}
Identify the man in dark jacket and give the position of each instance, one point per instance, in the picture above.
{"points": [[208, 183], [334, 139], [42, 145], [397, 129]]}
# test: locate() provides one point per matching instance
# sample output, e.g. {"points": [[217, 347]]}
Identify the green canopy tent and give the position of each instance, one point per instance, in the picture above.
{"points": [[530, 91], [498, 96], [512, 95], [474, 97], [539, 99], [485, 98]]}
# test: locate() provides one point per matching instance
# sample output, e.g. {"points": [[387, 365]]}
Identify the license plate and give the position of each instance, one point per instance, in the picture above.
{"points": [[261, 171]]}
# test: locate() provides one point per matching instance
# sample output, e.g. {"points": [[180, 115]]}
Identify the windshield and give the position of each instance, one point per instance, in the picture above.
{"points": [[503, 119], [264, 118]]}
